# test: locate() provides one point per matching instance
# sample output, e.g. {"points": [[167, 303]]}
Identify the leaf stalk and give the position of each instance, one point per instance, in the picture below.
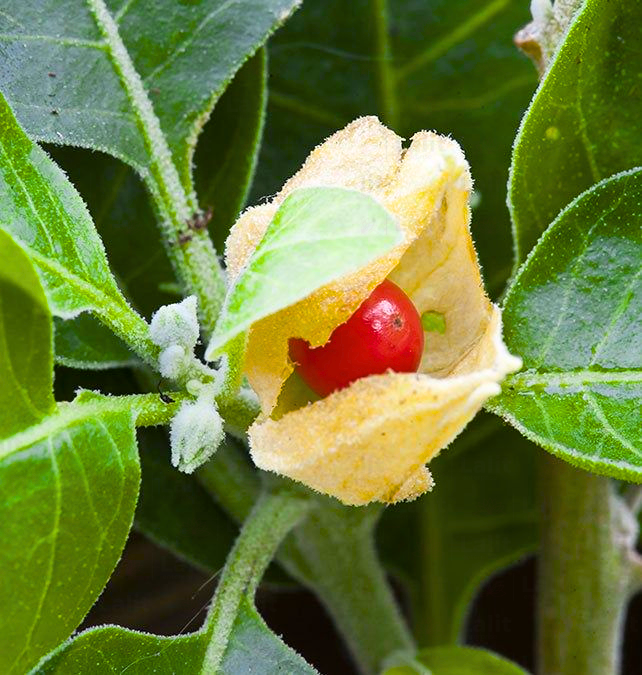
{"points": [[273, 516]]}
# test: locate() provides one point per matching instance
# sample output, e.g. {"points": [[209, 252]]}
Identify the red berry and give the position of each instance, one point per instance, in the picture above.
{"points": [[385, 333]]}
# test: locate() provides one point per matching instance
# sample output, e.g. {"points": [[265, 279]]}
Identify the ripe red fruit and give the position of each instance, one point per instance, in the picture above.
{"points": [[385, 333]]}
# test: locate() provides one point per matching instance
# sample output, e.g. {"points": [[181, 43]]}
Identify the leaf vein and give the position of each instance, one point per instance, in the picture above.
{"points": [[458, 35], [63, 41], [602, 418], [52, 557], [576, 266]]}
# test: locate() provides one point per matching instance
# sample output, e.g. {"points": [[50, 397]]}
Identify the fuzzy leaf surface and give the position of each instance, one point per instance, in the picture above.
{"points": [[116, 198], [252, 647], [574, 315], [43, 212], [69, 486], [584, 122], [316, 236], [26, 359], [89, 73], [447, 65]]}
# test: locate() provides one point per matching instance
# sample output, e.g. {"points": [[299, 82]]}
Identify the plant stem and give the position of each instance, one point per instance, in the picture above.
{"points": [[230, 479], [189, 249], [333, 553], [270, 520], [151, 410], [585, 571]]}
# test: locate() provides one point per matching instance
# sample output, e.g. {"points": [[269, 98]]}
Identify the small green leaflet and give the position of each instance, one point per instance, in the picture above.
{"points": [[455, 661], [26, 368], [43, 212], [252, 648], [433, 322], [574, 315], [317, 235], [584, 123], [69, 487]]}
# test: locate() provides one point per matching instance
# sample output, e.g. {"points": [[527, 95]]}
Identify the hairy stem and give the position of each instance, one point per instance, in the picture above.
{"points": [[585, 571], [268, 523], [189, 248], [333, 554]]}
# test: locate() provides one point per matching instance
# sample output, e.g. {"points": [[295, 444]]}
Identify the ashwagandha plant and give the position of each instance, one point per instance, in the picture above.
{"points": [[347, 337]]}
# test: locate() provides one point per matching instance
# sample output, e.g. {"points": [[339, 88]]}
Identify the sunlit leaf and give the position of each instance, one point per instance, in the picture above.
{"points": [[316, 236], [26, 368], [68, 489], [42, 211]]}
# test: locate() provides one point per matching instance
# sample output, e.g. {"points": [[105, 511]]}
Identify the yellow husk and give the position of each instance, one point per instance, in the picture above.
{"points": [[370, 441]]}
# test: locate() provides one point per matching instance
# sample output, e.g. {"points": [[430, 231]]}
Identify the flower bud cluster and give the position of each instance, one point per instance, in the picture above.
{"points": [[174, 328], [197, 428]]}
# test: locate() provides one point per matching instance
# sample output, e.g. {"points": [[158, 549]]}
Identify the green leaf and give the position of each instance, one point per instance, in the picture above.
{"points": [[574, 315], [85, 343], [176, 511], [233, 638], [124, 219], [252, 647], [584, 122], [111, 649], [26, 366], [480, 518], [69, 486], [457, 661], [116, 198], [135, 61], [42, 211], [316, 236], [447, 65], [227, 150]]}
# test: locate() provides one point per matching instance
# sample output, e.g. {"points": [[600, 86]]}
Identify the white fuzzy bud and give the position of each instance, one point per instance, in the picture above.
{"points": [[173, 362], [541, 11], [195, 434], [176, 324]]}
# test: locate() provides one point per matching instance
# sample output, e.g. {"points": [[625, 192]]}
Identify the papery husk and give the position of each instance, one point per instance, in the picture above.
{"points": [[371, 440]]}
